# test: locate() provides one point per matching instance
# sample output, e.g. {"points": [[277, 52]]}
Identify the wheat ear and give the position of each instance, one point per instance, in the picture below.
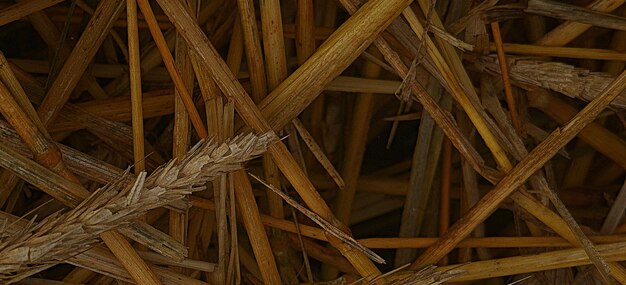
{"points": [[62, 235]]}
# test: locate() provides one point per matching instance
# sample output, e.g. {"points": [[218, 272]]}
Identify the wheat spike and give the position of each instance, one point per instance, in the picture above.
{"points": [[62, 235]]}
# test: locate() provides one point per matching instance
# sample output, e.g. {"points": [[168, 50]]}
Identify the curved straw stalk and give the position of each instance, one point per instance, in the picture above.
{"points": [[60, 236]]}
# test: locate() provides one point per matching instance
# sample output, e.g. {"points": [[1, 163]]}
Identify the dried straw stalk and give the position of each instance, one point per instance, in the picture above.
{"points": [[71, 72], [271, 23], [336, 53], [535, 262], [327, 226], [567, 52], [60, 236], [562, 78], [168, 60], [23, 9], [356, 144], [100, 260], [566, 226], [477, 116], [362, 27], [575, 14], [178, 221], [569, 30], [48, 155], [53, 38], [430, 275], [427, 276], [504, 70], [135, 86], [596, 135], [518, 175], [440, 116]]}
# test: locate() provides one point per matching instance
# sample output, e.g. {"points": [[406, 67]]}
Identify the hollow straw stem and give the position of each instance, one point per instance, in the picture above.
{"points": [[481, 121], [276, 72], [569, 30], [504, 69], [134, 72], [444, 199], [254, 226], [535, 262], [522, 171], [364, 26], [566, 52], [80, 57], [168, 60], [257, 235], [23, 9], [594, 134]]}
